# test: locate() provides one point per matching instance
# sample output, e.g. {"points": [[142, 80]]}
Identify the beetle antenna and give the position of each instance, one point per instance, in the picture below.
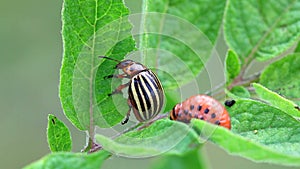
{"points": [[109, 58]]}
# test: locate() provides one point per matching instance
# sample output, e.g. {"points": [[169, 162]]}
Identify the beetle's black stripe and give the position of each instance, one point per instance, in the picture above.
{"points": [[133, 101], [152, 97], [155, 91], [158, 91], [152, 78], [138, 97], [146, 96]]}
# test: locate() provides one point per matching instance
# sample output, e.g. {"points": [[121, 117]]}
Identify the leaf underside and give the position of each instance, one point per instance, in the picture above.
{"points": [[276, 100], [190, 160], [153, 140]]}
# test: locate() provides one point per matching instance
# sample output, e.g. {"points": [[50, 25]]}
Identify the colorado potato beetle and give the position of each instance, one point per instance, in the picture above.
{"points": [[202, 107], [145, 92]]}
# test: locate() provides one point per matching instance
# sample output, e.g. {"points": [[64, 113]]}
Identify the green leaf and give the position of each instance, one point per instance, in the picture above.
{"points": [[90, 29], [211, 12], [189, 160], [172, 97], [70, 161], [240, 91], [231, 95], [58, 135], [283, 77], [112, 108], [276, 100], [163, 136], [261, 29], [259, 132], [178, 40], [297, 50], [232, 65]]}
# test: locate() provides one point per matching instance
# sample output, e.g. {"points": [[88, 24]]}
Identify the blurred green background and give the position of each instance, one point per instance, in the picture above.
{"points": [[31, 52]]}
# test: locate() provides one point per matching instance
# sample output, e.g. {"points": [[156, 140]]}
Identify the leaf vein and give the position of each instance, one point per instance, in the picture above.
{"points": [[83, 15], [266, 34], [105, 13]]}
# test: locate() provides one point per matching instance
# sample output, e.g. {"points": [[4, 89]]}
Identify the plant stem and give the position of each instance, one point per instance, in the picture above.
{"points": [[219, 91], [91, 135], [91, 143], [244, 81], [216, 88]]}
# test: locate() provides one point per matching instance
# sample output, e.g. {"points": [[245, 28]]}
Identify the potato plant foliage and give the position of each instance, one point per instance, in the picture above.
{"points": [[175, 39]]}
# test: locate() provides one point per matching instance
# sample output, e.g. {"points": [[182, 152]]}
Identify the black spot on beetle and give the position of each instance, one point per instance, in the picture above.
{"points": [[191, 107], [186, 112], [213, 115], [217, 122], [206, 110], [199, 108], [201, 118], [229, 103]]}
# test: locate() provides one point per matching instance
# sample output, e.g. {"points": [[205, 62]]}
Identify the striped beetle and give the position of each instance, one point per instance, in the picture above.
{"points": [[145, 92]]}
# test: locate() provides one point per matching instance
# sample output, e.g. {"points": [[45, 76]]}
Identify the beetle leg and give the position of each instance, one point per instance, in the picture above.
{"points": [[120, 76], [119, 89], [128, 113]]}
